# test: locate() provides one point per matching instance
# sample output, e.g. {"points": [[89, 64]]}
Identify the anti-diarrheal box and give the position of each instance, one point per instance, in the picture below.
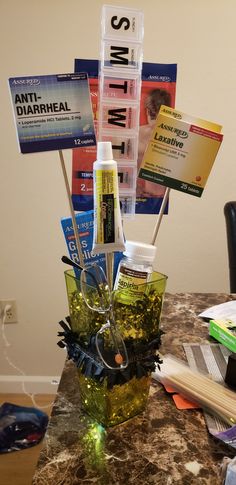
{"points": [[181, 151]]}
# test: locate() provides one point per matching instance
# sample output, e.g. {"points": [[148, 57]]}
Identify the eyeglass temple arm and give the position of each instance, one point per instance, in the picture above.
{"points": [[69, 261]]}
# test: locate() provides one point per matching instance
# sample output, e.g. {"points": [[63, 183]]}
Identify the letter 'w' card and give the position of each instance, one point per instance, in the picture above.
{"points": [[181, 151], [52, 112]]}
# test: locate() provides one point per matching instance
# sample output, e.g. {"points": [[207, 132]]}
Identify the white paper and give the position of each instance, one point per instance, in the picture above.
{"points": [[224, 311]]}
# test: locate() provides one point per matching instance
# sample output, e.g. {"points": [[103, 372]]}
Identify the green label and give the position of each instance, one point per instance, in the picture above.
{"points": [[131, 283], [171, 182]]}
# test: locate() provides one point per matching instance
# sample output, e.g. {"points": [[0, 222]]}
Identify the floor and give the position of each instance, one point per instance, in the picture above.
{"points": [[17, 468]]}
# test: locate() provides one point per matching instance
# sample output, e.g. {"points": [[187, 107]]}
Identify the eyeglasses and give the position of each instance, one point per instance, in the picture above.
{"points": [[97, 296]]}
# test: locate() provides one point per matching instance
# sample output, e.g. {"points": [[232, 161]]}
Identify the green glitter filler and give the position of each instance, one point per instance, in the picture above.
{"points": [[138, 321]]}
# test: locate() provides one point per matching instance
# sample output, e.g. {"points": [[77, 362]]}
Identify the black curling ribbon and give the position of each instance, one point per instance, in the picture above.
{"points": [[142, 358]]}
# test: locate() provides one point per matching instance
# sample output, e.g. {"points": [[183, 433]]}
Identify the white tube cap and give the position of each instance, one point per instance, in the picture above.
{"points": [[104, 151]]}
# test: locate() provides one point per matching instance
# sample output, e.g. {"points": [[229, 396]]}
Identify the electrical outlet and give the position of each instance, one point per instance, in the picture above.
{"points": [[11, 314]]}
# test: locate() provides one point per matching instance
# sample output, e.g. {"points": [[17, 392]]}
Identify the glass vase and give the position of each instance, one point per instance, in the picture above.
{"points": [[111, 406], [116, 395], [137, 318]]}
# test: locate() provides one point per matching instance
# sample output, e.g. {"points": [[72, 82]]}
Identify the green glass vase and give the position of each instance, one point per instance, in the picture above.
{"points": [[138, 321], [116, 405]]}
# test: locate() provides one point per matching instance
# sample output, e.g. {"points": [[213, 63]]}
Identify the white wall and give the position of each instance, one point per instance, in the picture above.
{"points": [[44, 38]]}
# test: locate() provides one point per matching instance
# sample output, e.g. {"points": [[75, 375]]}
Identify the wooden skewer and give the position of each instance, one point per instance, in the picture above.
{"points": [[225, 414], [209, 389], [195, 380], [109, 268], [176, 367], [201, 389], [206, 384], [76, 233], [205, 393], [227, 404], [159, 219]]}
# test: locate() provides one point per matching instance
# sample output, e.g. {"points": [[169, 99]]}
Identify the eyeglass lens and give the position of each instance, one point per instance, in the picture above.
{"points": [[109, 342]]}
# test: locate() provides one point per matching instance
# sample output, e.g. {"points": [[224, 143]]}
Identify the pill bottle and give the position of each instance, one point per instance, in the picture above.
{"points": [[135, 268]]}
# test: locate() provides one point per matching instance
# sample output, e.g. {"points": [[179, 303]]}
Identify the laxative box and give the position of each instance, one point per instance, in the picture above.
{"points": [[181, 151], [224, 332]]}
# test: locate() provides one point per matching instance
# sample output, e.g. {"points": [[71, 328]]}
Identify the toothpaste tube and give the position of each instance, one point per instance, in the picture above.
{"points": [[108, 232]]}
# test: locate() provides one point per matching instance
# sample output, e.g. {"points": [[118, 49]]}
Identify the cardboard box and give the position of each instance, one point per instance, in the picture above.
{"points": [[181, 151], [224, 332]]}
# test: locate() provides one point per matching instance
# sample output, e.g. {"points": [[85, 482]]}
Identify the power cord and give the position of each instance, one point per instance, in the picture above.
{"points": [[20, 371]]}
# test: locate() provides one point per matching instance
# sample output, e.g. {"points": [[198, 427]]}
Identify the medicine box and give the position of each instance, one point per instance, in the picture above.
{"points": [[224, 332], [181, 151]]}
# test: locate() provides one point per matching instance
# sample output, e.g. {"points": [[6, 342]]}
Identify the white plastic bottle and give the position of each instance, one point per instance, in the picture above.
{"points": [[135, 268]]}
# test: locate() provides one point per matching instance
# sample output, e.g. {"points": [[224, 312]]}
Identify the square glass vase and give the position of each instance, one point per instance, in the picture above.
{"points": [[112, 406], [138, 320]]}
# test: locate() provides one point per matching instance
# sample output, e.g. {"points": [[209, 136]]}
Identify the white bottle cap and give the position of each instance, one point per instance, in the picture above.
{"points": [[104, 151], [142, 251]]}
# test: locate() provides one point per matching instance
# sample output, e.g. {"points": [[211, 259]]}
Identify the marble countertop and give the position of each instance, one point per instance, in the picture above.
{"points": [[162, 446]]}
